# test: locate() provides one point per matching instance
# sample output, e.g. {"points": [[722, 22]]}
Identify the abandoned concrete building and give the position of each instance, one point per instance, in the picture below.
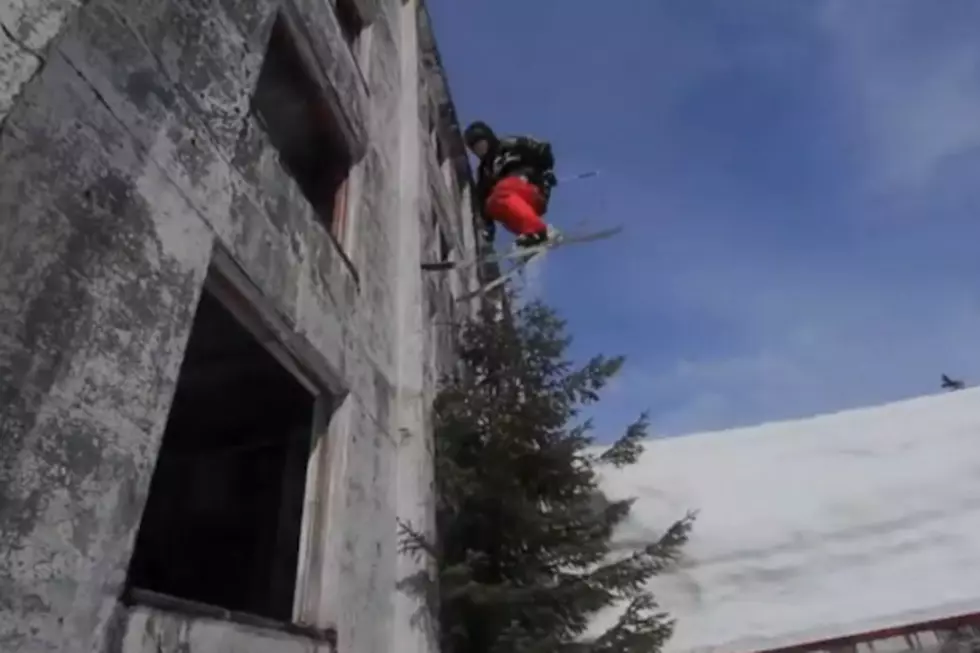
{"points": [[217, 348]]}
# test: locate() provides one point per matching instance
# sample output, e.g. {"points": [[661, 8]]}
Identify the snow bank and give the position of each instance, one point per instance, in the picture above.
{"points": [[816, 528]]}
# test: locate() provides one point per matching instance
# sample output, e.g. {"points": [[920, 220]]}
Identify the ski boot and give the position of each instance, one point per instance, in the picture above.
{"points": [[536, 238]]}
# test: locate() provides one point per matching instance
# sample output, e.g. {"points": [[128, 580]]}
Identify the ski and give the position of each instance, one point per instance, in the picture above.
{"points": [[476, 260], [527, 254], [522, 252], [500, 280]]}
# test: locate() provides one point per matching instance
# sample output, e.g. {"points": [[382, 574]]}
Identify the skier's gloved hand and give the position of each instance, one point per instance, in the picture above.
{"points": [[548, 181], [489, 230]]}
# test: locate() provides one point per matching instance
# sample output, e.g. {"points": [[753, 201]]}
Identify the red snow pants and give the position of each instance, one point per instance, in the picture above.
{"points": [[518, 205]]}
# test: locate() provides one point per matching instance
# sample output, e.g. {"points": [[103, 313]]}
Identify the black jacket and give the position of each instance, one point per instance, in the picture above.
{"points": [[514, 156]]}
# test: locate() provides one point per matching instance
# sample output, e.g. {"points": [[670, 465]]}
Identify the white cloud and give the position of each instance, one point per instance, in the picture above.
{"points": [[915, 81], [822, 366], [789, 334]]}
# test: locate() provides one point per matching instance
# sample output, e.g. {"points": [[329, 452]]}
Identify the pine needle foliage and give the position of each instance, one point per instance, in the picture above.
{"points": [[523, 551]]}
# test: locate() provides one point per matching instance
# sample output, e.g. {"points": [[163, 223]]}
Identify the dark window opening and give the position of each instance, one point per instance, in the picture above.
{"points": [[301, 125], [432, 235], [434, 135], [444, 248], [440, 151], [222, 521], [351, 23]]}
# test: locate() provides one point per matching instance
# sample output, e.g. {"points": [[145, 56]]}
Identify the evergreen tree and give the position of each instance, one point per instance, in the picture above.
{"points": [[523, 551]]}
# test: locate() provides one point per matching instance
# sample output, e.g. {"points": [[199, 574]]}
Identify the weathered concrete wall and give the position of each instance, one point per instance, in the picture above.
{"points": [[128, 162], [153, 631]]}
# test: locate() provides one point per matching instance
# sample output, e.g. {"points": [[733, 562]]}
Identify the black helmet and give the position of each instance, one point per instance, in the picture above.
{"points": [[478, 131]]}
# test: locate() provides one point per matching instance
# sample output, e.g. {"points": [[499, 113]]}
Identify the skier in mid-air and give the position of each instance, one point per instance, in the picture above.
{"points": [[514, 181], [513, 187]]}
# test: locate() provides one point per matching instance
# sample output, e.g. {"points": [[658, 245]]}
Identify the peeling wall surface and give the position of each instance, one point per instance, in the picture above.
{"points": [[129, 165]]}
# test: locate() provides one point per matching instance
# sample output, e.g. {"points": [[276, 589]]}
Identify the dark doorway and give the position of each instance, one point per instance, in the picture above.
{"points": [[222, 522]]}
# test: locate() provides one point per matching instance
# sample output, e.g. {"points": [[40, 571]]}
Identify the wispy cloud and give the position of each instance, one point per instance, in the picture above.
{"points": [[800, 351], [913, 69]]}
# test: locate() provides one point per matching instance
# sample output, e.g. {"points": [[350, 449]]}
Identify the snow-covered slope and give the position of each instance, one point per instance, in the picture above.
{"points": [[817, 528]]}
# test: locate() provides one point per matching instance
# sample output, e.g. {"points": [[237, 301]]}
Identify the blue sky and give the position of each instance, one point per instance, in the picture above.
{"points": [[799, 181]]}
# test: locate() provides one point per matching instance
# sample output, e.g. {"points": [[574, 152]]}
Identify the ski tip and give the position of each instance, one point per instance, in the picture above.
{"points": [[569, 238], [611, 231]]}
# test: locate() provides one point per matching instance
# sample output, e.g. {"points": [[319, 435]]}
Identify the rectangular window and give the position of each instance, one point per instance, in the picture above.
{"points": [[222, 523], [351, 23], [434, 136], [445, 250], [302, 127], [896, 644], [339, 224], [927, 639], [440, 151], [432, 234]]}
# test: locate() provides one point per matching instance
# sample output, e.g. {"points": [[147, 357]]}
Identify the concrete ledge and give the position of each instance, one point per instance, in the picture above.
{"points": [[156, 623]]}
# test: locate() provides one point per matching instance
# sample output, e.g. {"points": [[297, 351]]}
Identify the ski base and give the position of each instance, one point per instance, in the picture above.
{"points": [[519, 252], [526, 254]]}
